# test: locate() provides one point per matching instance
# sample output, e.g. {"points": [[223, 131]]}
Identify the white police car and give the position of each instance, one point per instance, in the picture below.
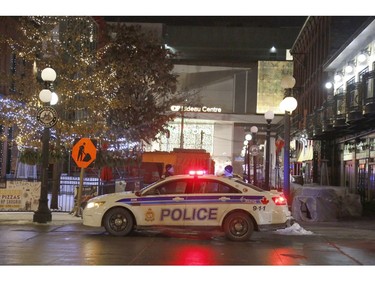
{"points": [[238, 208]]}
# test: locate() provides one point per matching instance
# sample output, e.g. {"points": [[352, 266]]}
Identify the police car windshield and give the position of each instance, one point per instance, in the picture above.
{"points": [[151, 184], [249, 185]]}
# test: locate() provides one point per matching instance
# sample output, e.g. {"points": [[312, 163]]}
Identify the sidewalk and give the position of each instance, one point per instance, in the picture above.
{"points": [[58, 218]]}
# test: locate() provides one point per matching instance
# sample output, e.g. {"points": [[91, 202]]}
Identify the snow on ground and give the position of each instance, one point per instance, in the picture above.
{"points": [[294, 229]]}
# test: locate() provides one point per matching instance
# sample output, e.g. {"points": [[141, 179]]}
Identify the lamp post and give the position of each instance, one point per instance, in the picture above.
{"points": [[247, 142], [269, 115], [288, 104], [47, 117], [182, 128], [254, 131]]}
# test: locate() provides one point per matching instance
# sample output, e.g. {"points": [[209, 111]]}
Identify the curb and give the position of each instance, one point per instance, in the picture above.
{"points": [[27, 218]]}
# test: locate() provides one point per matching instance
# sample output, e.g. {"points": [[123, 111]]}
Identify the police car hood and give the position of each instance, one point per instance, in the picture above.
{"points": [[117, 195]]}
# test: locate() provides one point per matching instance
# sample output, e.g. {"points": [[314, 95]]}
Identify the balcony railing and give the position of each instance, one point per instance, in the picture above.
{"points": [[353, 99], [369, 93]]}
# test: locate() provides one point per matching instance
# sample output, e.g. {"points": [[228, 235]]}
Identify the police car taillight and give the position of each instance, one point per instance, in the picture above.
{"points": [[279, 200], [196, 173]]}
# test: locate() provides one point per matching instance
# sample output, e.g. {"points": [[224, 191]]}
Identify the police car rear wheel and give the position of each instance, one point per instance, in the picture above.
{"points": [[118, 222], [238, 227]]}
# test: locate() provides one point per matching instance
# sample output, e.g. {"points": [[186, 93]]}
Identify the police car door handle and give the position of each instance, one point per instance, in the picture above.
{"points": [[224, 198], [178, 199]]}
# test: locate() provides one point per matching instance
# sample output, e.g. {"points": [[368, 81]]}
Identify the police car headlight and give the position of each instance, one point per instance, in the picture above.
{"points": [[94, 204]]}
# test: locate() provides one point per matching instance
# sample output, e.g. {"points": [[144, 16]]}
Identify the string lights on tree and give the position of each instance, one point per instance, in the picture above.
{"points": [[112, 88], [122, 88]]}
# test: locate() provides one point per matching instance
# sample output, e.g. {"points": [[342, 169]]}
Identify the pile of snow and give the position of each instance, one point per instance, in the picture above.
{"points": [[294, 229]]}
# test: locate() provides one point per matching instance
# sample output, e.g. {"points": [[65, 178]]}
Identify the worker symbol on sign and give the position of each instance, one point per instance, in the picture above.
{"points": [[82, 155], [84, 152]]}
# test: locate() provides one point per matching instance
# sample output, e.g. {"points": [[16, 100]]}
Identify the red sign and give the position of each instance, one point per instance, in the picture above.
{"points": [[84, 152]]}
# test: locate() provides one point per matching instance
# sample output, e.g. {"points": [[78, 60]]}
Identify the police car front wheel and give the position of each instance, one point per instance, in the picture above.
{"points": [[118, 222], [238, 226]]}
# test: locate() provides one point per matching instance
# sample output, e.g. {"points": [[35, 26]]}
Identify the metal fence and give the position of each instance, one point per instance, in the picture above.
{"points": [[67, 192], [92, 186]]}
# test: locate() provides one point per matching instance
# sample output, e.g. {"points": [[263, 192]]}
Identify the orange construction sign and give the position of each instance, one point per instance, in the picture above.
{"points": [[84, 152]]}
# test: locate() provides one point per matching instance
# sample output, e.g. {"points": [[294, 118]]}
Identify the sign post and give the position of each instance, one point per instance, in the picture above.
{"points": [[83, 154]]}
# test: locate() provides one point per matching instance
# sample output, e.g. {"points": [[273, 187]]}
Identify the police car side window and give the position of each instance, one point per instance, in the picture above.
{"points": [[223, 188], [212, 187], [174, 187], [219, 187], [200, 186], [203, 186], [180, 187]]}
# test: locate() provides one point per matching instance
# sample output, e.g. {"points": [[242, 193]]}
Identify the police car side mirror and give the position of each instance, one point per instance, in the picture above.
{"points": [[138, 193]]}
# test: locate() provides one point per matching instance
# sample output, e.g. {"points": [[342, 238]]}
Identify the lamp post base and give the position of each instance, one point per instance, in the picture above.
{"points": [[42, 215]]}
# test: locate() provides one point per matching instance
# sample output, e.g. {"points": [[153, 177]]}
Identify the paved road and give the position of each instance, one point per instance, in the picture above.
{"points": [[68, 242]]}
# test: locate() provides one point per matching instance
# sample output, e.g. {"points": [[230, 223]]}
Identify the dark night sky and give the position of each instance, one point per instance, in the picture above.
{"points": [[234, 21]]}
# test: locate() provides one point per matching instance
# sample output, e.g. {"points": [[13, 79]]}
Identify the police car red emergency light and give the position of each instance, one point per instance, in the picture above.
{"points": [[195, 200]]}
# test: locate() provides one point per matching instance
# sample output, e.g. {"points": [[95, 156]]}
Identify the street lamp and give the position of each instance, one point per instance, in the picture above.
{"points": [[182, 128], [47, 117], [247, 142], [254, 131], [288, 104], [182, 109], [269, 115]]}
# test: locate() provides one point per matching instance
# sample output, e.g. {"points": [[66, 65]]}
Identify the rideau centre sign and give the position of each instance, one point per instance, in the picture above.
{"points": [[204, 109]]}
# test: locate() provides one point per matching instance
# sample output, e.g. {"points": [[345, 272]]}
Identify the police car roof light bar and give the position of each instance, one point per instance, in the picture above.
{"points": [[196, 173]]}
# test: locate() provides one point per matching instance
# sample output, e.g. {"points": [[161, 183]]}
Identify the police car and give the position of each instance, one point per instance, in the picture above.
{"points": [[231, 204]]}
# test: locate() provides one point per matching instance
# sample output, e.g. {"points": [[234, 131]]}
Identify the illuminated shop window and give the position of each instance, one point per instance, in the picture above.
{"points": [[197, 135]]}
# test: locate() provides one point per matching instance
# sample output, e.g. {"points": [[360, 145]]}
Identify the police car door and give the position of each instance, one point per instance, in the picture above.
{"points": [[165, 204], [208, 202]]}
